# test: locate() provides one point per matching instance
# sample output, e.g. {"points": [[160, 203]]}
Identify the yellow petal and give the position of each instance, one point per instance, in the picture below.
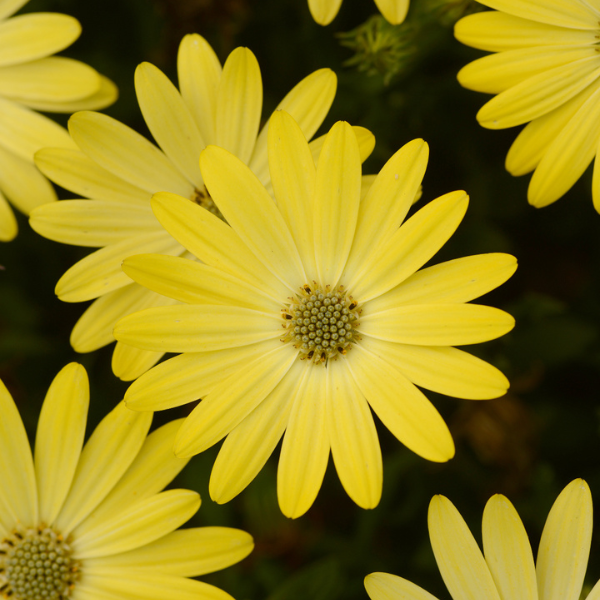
{"points": [[128, 363], [214, 242], [324, 11], [305, 448], [126, 154], [442, 369], [74, 171], [27, 37], [409, 247], [508, 551], [239, 104], [336, 201], [8, 223], [190, 552], [539, 94], [251, 212], [232, 399], [458, 280], [8, 7], [248, 446], [199, 72], [169, 121], [388, 201], [402, 408], [196, 328], [459, 559], [565, 545], [106, 456], [18, 493], [353, 437], [393, 10], [365, 139], [59, 438], [383, 586], [293, 176], [595, 183]]}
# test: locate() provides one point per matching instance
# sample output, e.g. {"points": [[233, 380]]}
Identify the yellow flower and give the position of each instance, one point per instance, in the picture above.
{"points": [[32, 79], [96, 515], [324, 11], [379, 327], [546, 72], [120, 170], [506, 569]]}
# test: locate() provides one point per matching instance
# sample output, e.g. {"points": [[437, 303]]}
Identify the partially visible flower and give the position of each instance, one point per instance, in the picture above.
{"points": [[32, 79], [117, 171], [506, 569], [309, 312], [95, 515], [324, 11], [546, 72]]}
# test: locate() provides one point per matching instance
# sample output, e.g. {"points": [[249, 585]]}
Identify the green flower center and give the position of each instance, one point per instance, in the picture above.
{"points": [[36, 564], [203, 199], [321, 323]]}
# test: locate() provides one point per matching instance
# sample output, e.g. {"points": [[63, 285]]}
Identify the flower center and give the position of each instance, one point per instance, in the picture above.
{"points": [[36, 564], [202, 197], [321, 323]]}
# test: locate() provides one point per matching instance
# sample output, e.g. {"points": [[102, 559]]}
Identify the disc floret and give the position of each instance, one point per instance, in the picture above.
{"points": [[36, 564], [204, 199], [321, 322]]}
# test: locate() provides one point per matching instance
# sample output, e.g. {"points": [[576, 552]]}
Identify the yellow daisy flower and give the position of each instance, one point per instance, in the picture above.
{"points": [[324, 11], [119, 170], [506, 568], [306, 312], [32, 79], [546, 72], [95, 517]]}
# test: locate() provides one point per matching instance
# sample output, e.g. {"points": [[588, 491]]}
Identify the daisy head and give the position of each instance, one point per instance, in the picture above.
{"points": [[308, 312], [94, 519], [506, 569]]}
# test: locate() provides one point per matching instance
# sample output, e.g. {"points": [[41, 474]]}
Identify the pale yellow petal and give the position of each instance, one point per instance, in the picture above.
{"points": [[100, 272], [199, 72], [190, 552], [442, 369], [305, 448], [248, 446], [293, 177], [74, 171], [196, 328], [251, 212], [383, 586], [565, 545], [24, 132], [138, 524], [106, 456], [93, 223], [8, 7], [539, 94], [507, 551], [23, 184], [239, 104], [353, 437], [195, 283], [154, 467], [18, 492], [324, 11], [458, 280], [128, 363], [387, 202], [402, 408], [459, 559], [595, 183], [393, 10], [214, 242], [336, 202], [169, 121], [568, 156], [126, 154], [8, 223], [27, 37], [497, 31], [365, 139], [409, 247], [232, 399], [59, 438]]}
